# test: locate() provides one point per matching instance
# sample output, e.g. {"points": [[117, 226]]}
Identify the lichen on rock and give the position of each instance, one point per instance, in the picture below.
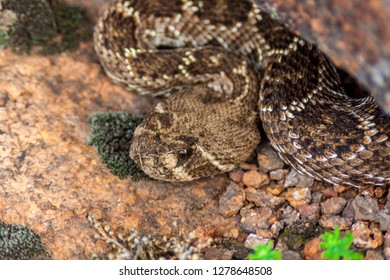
{"points": [[44, 26], [18, 242], [111, 134]]}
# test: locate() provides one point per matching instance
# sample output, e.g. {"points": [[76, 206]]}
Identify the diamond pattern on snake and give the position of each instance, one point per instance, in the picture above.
{"points": [[225, 66]]}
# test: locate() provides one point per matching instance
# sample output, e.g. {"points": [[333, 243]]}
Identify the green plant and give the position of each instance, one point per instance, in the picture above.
{"points": [[265, 252], [337, 248]]}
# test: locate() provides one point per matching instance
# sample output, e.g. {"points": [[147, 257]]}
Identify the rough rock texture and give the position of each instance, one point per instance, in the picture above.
{"points": [[354, 34], [51, 180]]}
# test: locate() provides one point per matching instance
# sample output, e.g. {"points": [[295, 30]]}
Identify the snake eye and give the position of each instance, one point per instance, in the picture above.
{"points": [[183, 154]]}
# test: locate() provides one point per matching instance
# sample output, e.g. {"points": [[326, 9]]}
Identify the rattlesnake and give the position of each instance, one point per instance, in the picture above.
{"points": [[225, 65]]}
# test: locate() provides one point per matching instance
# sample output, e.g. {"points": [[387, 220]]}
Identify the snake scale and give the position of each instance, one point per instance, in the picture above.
{"points": [[225, 66]]}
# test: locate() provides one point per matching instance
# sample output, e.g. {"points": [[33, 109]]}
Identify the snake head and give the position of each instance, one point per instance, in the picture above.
{"points": [[175, 144], [165, 153], [195, 133]]}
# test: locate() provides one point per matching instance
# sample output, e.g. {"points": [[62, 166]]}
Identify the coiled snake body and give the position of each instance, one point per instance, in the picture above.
{"points": [[225, 65]]}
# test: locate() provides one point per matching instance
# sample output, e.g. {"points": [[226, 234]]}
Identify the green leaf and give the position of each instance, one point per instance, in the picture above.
{"points": [[337, 248], [265, 252]]}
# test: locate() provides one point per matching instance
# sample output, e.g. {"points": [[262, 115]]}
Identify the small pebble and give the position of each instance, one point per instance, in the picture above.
{"points": [[383, 217], [262, 198], [312, 250], [236, 175], [333, 205], [264, 233], [276, 228], [231, 200], [278, 174], [218, 254], [295, 179], [362, 236], [274, 189], [316, 196], [253, 240], [297, 196], [309, 211], [253, 218], [288, 215], [365, 208], [330, 221], [255, 179], [348, 211], [291, 255]]}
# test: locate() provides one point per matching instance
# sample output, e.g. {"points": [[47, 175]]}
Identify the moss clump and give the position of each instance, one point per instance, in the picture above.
{"points": [[18, 242], [111, 134], [44, 26], [73, 27], [297, 234]]}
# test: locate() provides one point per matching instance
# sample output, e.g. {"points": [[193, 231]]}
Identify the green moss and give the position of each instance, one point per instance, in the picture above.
{"points": [[44, 26], [297, 234], [111, 134], [3, 38], [73, 27], [18, 242]]}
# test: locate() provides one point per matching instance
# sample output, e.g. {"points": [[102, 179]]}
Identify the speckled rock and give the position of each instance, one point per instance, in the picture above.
{"points": [[274, 188], [278, 174], [263, 198], [364, 237], [368, 209], [231, 200], [309, 211], [333, 205], [288, 215], [365, 208], [254, 218], [253, 240], [383, 217], [255, 179], [312, 250], [297, 196], [295, 179], [330, 221], [348, 211]]}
